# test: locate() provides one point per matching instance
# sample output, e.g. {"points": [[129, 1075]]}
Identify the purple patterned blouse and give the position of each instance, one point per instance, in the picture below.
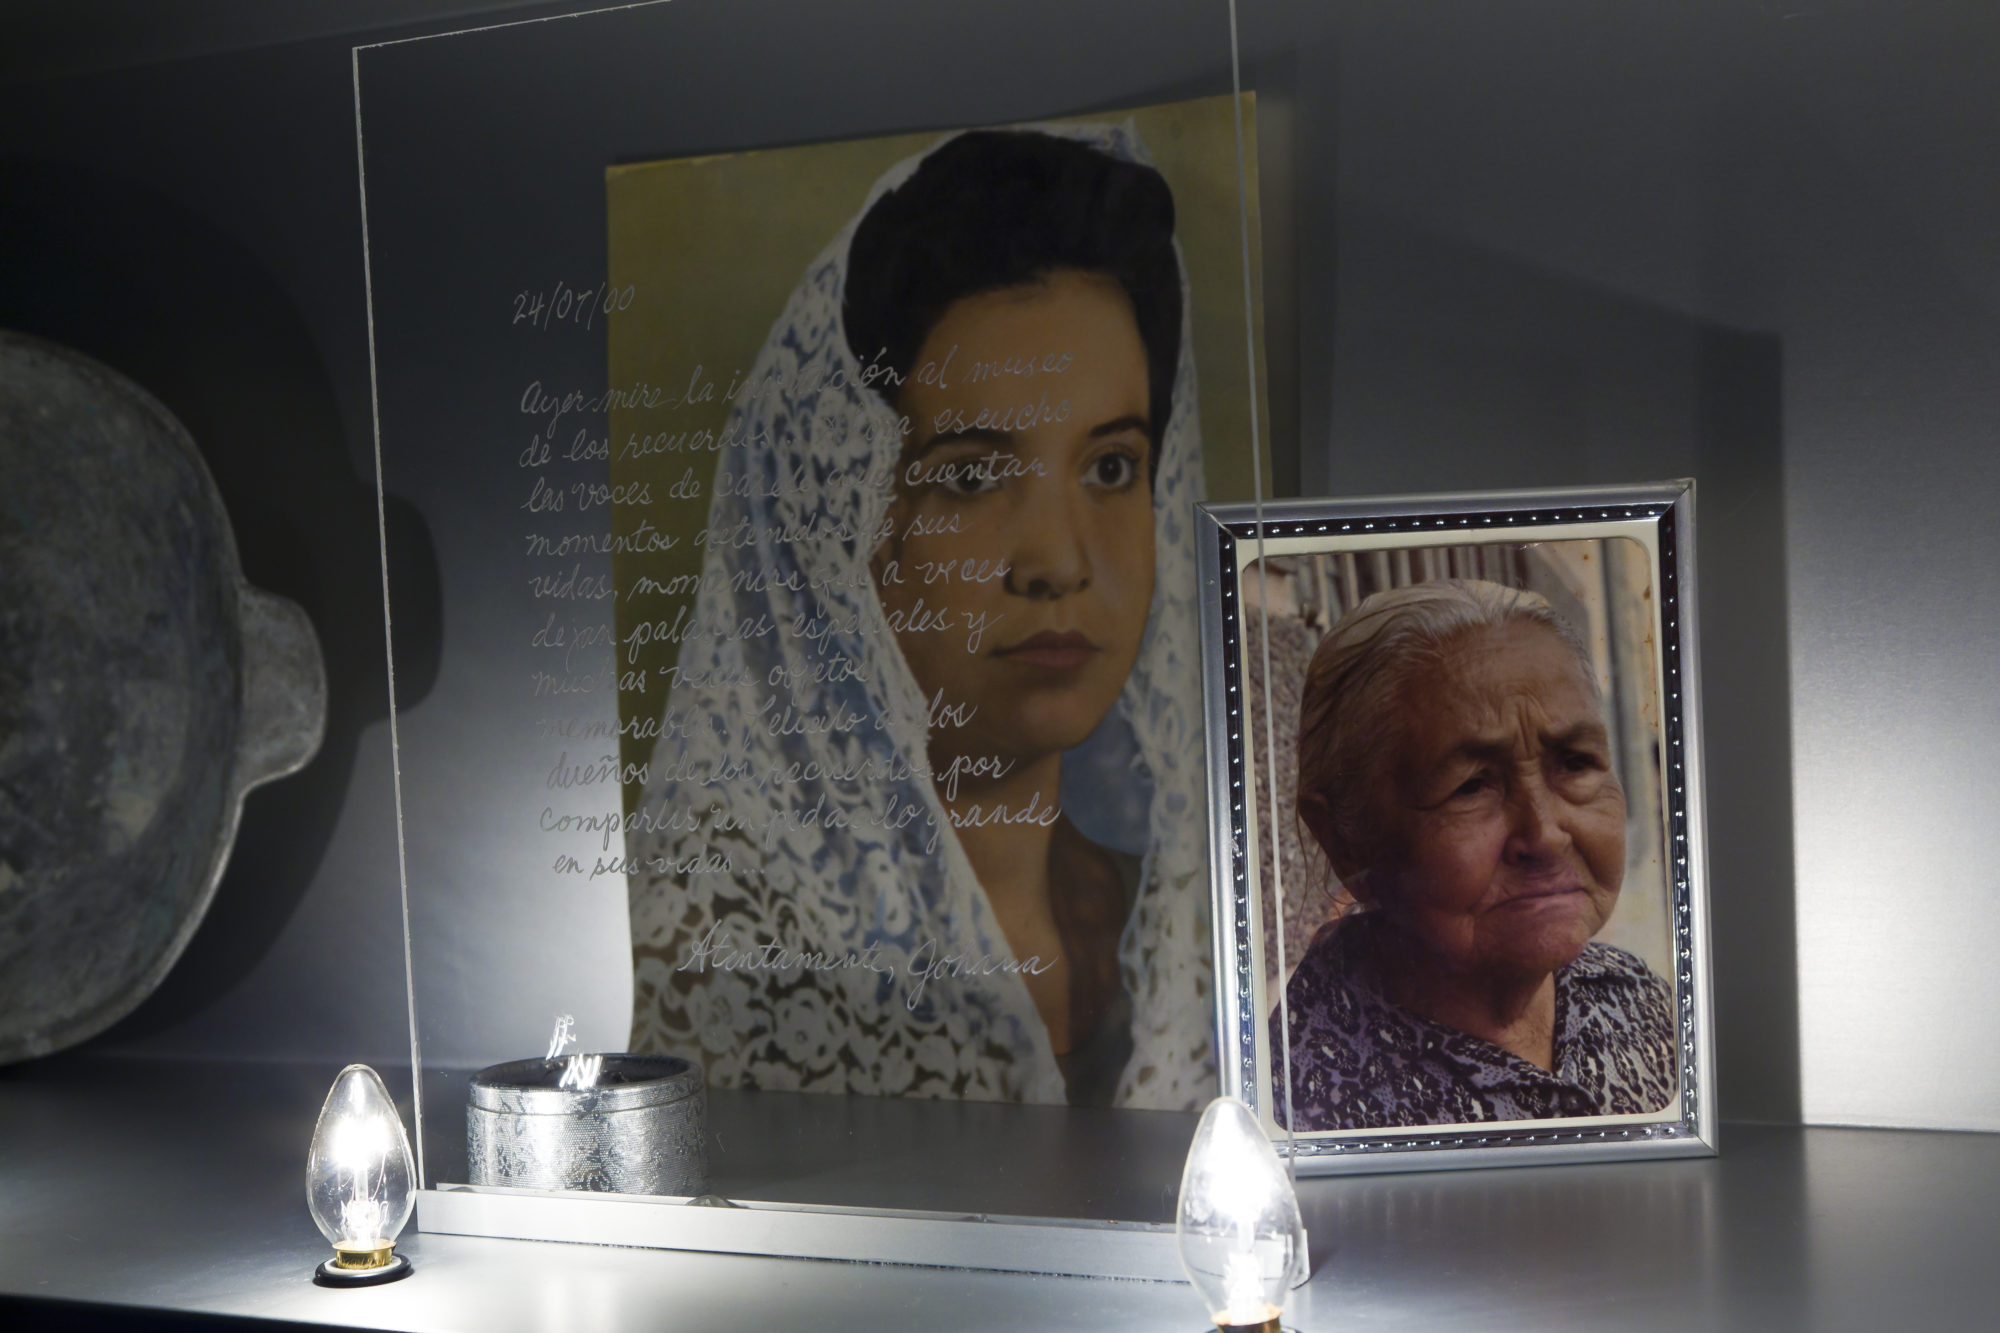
{"points": [[1360, 1061]]}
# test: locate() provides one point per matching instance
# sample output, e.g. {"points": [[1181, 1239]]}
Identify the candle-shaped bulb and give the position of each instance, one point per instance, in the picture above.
{"points": [[1241, 1239], [360, 1181]]}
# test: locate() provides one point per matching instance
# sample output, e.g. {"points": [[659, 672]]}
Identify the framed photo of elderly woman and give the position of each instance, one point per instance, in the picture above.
{"points": [[1455, 777]]}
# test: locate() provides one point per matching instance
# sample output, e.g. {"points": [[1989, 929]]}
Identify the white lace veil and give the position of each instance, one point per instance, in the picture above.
{"points": [[800, 964]]}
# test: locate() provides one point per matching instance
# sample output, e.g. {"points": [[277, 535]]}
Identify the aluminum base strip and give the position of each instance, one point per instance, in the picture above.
{"points": [[1142, 1251]]}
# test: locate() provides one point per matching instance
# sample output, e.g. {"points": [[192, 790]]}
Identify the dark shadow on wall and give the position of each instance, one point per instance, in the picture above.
{"points": [[1456, 368], [1747, 728], [163, 296]]}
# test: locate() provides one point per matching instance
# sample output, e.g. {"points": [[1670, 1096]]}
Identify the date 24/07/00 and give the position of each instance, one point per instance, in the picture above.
{"points": [[570, 305]]}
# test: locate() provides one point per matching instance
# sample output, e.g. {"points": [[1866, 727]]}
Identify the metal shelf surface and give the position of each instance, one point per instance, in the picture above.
{"points": [[178, 1187]]}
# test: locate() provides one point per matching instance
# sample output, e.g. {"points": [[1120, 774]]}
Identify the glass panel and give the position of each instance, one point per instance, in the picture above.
{"points": [[817, 694]]}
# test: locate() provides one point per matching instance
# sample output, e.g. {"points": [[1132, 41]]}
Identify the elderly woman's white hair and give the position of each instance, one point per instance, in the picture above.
{"points": [[1347, 705]]}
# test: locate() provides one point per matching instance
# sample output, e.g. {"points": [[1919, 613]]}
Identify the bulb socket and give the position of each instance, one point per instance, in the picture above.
{"points": [[355, 1266], [1270, 1325], [359, 1258]]}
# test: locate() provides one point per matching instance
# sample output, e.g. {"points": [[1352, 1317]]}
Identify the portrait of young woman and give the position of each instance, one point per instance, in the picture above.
{"points": [[921, 815]]}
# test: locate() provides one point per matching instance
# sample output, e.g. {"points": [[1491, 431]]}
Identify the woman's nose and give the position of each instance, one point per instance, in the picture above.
{"points": [[1050, 556], [1535, 823]]}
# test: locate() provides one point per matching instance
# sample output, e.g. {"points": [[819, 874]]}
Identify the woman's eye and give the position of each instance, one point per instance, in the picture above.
{"points": [[1113, 471], [970, 478], [1472, 786]]}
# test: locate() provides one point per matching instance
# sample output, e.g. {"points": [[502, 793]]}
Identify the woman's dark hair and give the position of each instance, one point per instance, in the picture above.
{"points": [[999, 208]]}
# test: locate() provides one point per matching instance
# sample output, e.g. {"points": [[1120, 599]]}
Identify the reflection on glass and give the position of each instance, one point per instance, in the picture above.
{"points": [[582, 319]]}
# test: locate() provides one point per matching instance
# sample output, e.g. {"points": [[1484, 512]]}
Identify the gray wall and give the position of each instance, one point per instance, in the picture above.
{"points": [[1756, 243], [1519, 243]]}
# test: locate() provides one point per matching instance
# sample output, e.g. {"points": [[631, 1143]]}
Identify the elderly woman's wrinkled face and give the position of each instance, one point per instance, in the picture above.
{"points": [[1500, 827], [1023, 516]]}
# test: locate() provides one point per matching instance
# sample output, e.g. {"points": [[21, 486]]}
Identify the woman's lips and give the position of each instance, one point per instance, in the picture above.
{"points": [[1542, 895], [1054, 651]]}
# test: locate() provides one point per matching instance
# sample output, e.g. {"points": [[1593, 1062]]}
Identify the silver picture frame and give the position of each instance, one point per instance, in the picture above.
{"points": [[1316, 544]]}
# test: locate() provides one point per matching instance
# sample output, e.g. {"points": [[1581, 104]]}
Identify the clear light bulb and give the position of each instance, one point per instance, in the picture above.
{"points": [[1241, 1239], [360, 1181]]}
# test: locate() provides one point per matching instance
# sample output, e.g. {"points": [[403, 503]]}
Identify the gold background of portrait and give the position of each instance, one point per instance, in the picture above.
{"points": [[715, 246]]}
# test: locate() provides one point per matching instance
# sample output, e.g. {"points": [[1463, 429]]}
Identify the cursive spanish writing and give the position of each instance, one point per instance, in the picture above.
{"points": [[716, 950]]}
